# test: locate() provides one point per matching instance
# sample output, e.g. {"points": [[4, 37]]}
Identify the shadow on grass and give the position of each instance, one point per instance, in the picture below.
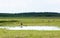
{"points": [[8, 21]]}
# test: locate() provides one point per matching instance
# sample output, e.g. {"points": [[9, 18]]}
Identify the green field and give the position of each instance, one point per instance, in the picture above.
{"points": [[30, 21], [28, 34]]}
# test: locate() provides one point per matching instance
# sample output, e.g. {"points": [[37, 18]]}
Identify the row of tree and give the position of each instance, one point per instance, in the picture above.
{"points": [[31, 14]]}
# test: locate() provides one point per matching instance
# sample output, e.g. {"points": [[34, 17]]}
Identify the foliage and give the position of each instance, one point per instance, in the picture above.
{"points": [[31, 14]]}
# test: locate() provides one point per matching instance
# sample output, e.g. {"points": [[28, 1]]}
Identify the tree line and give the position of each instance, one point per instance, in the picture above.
{"points": [[31, 14]]}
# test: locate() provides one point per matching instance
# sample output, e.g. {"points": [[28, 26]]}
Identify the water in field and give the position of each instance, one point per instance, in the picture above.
{"points": [[31, 28]]}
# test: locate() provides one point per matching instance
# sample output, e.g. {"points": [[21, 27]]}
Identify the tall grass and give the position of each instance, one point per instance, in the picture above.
{"points": [[28, 34]]}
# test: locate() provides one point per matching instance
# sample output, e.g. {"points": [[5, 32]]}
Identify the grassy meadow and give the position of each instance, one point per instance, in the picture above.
{"points": [[30, 21], [28, 34]]}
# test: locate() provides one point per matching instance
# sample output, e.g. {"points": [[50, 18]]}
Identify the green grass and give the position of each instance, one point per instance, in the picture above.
{"points": [[28, 34], [30, 21]]}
